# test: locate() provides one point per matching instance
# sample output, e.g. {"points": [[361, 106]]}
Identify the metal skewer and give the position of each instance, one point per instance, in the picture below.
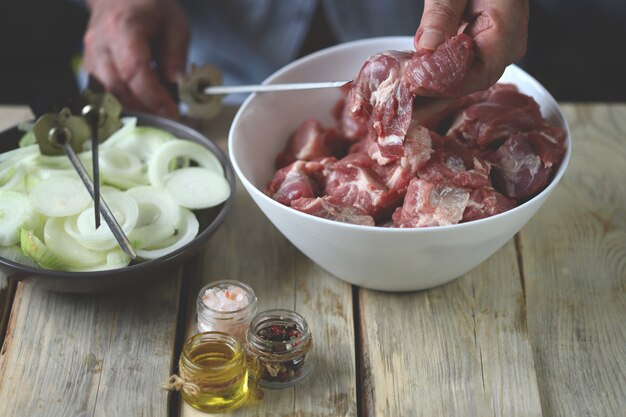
{"points": [[92, 115], [223, 90], [202, 90]]}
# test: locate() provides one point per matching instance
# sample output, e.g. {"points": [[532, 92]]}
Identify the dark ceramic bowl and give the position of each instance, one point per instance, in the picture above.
{"points": [[80, 282]]}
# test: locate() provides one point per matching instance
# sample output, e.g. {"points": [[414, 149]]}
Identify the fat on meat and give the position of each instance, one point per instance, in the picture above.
{"points": [[354, 182], [427, 204], [455, 164], [525, 162], [299, 179], [486, 202], [381, 99], [332, 208]]}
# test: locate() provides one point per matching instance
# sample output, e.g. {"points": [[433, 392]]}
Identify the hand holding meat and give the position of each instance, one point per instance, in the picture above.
{"points": [[498, 29], [131, 45]]}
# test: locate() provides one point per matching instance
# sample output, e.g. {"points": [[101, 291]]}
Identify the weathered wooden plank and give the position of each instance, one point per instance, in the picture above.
{"points": [[574, 261], [457, 350], [250, 249], [89, 355], [9, 116], [7, 291]]}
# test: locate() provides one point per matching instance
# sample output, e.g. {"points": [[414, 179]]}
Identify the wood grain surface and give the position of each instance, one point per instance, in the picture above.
{"points": [[457, 350], [248, 248], [89, 355], [539, 329], [9, 116], [574, 259]]}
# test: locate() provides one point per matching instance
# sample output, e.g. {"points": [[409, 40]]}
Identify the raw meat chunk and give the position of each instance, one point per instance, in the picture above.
{"points": [[331, 208], [417, 147], [504, 112], [456, 165], [441, 73], [351, 127], [417, 151], [486, 202], [384, 91], [384, 67], [381, 98], [297, 180], [311, 141], [427, 204], [436, 113], [353, 181], [525, 162]]}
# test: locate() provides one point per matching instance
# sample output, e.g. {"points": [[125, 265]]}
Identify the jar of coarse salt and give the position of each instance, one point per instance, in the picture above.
{"points": [[226, 306]]}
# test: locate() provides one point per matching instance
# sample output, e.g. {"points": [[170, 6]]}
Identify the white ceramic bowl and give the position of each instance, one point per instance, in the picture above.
{"points": [[377, 258]]}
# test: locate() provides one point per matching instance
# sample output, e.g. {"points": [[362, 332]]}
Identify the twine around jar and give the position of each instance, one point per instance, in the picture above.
{"points": [[183, 381], [271, 361]]}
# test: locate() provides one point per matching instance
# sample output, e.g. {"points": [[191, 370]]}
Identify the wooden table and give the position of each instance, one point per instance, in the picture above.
{"points": [[538, 329]]}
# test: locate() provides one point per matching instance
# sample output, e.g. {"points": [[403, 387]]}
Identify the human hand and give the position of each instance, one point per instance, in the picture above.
{"points": [[130, 46], [499, 29]]}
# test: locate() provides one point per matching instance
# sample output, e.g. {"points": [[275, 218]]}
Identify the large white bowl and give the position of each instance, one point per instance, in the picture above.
{"points": [[378, 258]]}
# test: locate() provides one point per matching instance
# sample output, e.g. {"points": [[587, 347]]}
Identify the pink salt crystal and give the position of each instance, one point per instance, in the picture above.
{"points": [[226, 306], [228, 298]]}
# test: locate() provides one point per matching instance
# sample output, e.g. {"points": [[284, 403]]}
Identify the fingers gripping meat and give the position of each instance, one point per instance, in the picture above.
{"points": [[384, 91]]}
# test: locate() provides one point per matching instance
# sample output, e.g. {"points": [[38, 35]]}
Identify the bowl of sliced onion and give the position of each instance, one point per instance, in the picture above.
{"points": [[168, 186]]}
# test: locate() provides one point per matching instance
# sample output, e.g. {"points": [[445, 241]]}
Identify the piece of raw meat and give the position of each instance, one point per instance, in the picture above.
{"points": [[417, 151], [524, 164], [456, 165], [486, 202], [383, 93], [442, 72], [504, 112], [299, 179], [351, 127], [331, 208], [312, 141], [427, 204], [381, 99], [353, 181]]}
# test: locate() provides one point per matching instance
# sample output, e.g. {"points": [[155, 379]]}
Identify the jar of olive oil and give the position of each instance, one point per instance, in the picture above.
{"points": [[213, 366]]}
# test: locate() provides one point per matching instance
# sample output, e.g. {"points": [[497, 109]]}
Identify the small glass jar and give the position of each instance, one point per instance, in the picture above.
{"points": [[215, 373], [279, 341], [226, 306]]}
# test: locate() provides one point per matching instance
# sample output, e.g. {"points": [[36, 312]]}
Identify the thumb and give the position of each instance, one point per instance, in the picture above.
{"points": [[440, 21]]}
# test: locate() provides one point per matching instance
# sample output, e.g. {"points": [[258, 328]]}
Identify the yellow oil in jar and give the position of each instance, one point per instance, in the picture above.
{"points": [[215, 363]]}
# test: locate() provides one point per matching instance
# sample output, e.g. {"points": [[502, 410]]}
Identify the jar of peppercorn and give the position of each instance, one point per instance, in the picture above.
{"points": [[279, 341]]}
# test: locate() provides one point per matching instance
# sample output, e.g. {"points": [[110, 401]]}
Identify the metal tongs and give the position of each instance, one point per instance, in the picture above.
{"points": [[65, 133]]}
